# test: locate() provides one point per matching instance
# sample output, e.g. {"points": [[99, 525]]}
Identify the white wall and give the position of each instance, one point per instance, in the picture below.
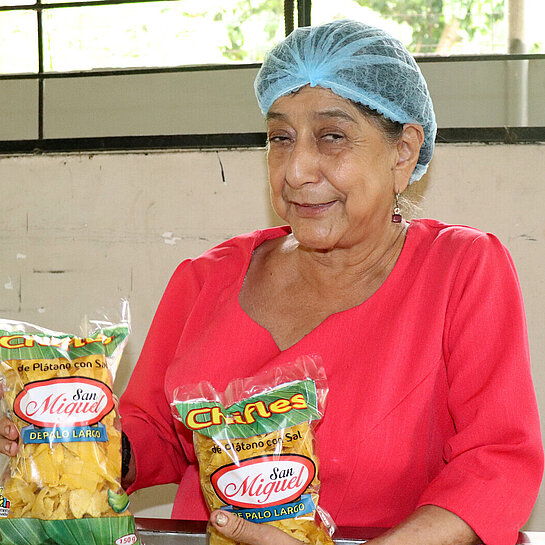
{"points": [[80, 232]]}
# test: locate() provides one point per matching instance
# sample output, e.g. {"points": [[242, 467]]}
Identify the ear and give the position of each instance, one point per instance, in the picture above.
{"points": [[408, 149]]}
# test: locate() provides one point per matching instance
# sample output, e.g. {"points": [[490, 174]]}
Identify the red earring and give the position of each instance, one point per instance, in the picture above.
{"points": [[396, 216]]}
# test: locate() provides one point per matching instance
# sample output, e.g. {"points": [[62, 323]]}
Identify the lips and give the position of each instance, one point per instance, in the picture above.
{"points": [[308, 209], [313, 205]]}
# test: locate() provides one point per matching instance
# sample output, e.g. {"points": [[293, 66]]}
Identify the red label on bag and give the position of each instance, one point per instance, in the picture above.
{"points": [[264, 481], [70, 401]]}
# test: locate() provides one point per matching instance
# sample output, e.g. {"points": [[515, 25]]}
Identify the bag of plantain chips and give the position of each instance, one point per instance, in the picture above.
{"points": [[64, 485], [256, 448]]}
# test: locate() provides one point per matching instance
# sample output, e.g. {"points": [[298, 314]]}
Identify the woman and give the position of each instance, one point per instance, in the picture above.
{"points": [[432, 426]]}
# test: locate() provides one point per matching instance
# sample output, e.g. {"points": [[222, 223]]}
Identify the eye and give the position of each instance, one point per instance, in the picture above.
{"points": [[275, 138], [332, 137]]}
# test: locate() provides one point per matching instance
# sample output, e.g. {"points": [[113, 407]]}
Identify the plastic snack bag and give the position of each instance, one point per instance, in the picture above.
{"points": [[64, 485], [256, 448]]}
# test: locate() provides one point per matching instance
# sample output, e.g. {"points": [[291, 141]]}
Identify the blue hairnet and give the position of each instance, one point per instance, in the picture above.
{"points": [[357, 62]]}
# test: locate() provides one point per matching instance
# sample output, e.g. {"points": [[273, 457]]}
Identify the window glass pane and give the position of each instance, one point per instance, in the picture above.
{"points": [[451, 27], [17, 2], [18, 42], [535, 29], [160, 34], [52, 2]]}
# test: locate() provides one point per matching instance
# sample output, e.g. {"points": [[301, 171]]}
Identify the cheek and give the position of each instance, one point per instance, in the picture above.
{"points": [[276, 164], [275, 187], [279, 206], [277, 158], [275, 194], [276, 172]]}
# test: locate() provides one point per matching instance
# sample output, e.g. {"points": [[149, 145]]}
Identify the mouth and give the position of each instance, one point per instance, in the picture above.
{"points": [[310, 209], [312, 204]]}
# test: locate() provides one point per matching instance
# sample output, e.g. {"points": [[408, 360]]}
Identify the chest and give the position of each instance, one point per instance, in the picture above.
{"points": [[290, 309], [363, 354], [373, 391]]}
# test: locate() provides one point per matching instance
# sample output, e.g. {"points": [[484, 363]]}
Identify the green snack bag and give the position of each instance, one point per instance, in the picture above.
{"points": [[64, 485], [256, 448]]}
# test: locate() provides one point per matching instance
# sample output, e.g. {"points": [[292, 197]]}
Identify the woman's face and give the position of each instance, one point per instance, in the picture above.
{"points": [[332, 172]]}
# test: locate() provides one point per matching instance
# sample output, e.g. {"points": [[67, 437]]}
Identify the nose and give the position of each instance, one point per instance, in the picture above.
{"points": [[303, 163]]}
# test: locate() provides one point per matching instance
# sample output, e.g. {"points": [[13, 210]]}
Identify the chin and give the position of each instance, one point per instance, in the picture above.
{"points": [[315, 239]]}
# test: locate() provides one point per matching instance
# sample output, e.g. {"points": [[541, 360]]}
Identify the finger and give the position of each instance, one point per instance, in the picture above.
{"points": [[8, 437], [8, 429], [10, 448], [117, 418], [239, 529]]}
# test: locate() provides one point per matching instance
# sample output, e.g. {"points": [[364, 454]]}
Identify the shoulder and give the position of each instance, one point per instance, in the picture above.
{"points": [[229, 257], [455, 239], [443, 233], [461, 250]]}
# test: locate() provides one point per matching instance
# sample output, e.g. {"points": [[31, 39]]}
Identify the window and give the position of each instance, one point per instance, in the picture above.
{"points": [[64, 36], [448, 27], [18, 49], [111, 34], [138, 74]]}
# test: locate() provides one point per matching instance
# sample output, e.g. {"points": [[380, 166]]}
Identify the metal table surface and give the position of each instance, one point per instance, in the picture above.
{"points": [[153, 531]]}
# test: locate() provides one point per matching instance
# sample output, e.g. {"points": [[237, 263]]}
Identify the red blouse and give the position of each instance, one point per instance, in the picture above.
{"points": [[431, 399]]}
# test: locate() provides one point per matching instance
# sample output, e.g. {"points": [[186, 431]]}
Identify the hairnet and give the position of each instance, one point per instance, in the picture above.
{"points": [[357, 62]]}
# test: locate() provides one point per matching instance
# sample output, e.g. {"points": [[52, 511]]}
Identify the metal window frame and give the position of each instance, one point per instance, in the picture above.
{"points": [[303, 13], [189, 141], [482, 135], [39, 7]]}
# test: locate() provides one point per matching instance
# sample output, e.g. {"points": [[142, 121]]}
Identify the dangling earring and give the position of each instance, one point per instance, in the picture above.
{"points": [[396, 216]]}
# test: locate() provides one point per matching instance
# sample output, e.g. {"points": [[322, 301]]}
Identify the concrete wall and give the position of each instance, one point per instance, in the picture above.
{"points": [[80, 232]]}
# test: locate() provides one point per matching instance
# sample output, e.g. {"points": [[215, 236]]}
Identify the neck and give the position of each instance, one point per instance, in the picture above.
{"points": [[369, 262]]}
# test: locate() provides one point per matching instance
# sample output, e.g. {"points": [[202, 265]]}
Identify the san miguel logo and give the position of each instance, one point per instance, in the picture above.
{"points": [[70, 401], [264, 481]]}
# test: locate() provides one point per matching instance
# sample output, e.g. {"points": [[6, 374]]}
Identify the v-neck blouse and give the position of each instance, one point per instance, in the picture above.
{"points": [[382, 292], [430, 394]]}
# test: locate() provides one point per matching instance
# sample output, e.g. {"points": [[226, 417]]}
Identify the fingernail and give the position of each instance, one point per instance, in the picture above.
{"points": [[221, 519], [8, 448], [7, 431]]}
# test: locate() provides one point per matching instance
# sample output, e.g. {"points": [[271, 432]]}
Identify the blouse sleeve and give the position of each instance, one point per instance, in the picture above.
{"points": [[145, 411], [494, 462]]}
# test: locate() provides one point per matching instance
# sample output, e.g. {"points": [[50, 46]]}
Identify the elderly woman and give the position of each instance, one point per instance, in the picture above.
{"points": [[432, 427]]}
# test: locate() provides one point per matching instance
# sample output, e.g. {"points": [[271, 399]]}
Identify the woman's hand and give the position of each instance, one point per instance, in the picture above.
{"points": [[9, 435], [250, 533]]}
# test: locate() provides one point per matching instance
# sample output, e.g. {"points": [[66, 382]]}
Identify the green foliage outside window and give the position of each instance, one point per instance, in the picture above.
{"points": [[269, 12], [438, 25]]}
